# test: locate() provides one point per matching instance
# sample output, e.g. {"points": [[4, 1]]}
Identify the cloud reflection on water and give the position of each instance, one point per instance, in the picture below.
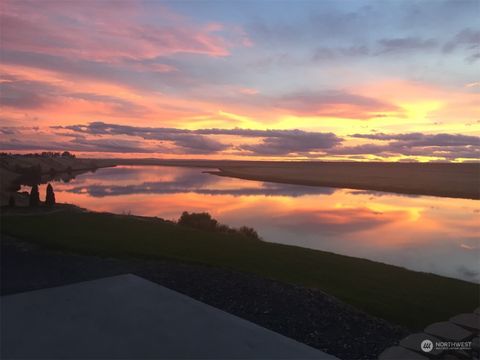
{"points": [[424, 233]]}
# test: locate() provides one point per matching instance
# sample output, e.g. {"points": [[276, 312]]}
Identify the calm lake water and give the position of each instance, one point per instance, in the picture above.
{"points": [[431, 234]]}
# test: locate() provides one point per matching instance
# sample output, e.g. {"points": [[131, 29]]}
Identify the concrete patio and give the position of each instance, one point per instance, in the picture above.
{"points": [[127, 316]]}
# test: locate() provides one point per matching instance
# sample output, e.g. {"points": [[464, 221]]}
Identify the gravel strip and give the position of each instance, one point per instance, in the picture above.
{"points": [[306, 315]]}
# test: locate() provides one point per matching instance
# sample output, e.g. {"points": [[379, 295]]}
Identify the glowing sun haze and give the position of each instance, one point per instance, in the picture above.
{"points": [[356, 80]]}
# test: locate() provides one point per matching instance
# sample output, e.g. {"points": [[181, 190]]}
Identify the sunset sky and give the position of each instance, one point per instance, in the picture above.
{"points": [[306, 80]]}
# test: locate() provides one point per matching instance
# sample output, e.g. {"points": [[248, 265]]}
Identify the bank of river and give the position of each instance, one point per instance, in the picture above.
{"points": [[422, 233]]}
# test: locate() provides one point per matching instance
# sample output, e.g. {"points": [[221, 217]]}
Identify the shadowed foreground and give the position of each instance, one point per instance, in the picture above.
{"points": [[404, 297], [127, 316], [307, 315]]}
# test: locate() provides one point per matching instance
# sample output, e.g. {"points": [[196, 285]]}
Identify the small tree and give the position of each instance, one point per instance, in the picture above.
{"points": [[249, 232], [11, 201], [50, 198], [34, 198], [201, 221], [67, 154]]}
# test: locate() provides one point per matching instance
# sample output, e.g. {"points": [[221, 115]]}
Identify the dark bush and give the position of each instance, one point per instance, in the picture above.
{"points": [[249, 232], [204, 221], [34, 199], [223, 228], [67, 154], [50, 198], [201, 221]]}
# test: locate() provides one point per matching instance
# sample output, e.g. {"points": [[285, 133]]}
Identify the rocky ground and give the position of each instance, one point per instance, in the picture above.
{"points": [[309, 316]]}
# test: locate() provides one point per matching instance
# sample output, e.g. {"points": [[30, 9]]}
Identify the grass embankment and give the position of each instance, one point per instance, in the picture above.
{"points": [[404, 297]]}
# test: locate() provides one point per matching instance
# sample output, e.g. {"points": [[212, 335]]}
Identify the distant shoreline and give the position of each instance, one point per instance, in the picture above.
{"points": [[384, 187], [17, 170], [453, 180]]}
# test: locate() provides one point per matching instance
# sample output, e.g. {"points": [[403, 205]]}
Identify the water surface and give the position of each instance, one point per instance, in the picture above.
{"points": [[431, 234]]}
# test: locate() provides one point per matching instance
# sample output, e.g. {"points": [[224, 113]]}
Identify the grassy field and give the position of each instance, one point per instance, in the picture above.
{"points": [[404, 297]]}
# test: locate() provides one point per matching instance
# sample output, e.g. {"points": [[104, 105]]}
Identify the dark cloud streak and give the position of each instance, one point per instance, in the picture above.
{"points": [[419, 139], [274, 142]]}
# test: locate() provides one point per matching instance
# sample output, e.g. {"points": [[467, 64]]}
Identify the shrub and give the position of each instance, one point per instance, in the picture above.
{"points": [[67, 154], [204, 221], [201, 221], [34, 199], [249, 232], [50, 198]]}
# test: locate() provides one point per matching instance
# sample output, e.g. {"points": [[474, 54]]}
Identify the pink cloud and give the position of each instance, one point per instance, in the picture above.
{"points": [[107, 31], [248, 91], [343, 220], [340, 104], [156, 68]]}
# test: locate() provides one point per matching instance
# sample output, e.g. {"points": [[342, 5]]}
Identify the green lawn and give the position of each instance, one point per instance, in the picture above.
{"points": [[408, 298]]}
